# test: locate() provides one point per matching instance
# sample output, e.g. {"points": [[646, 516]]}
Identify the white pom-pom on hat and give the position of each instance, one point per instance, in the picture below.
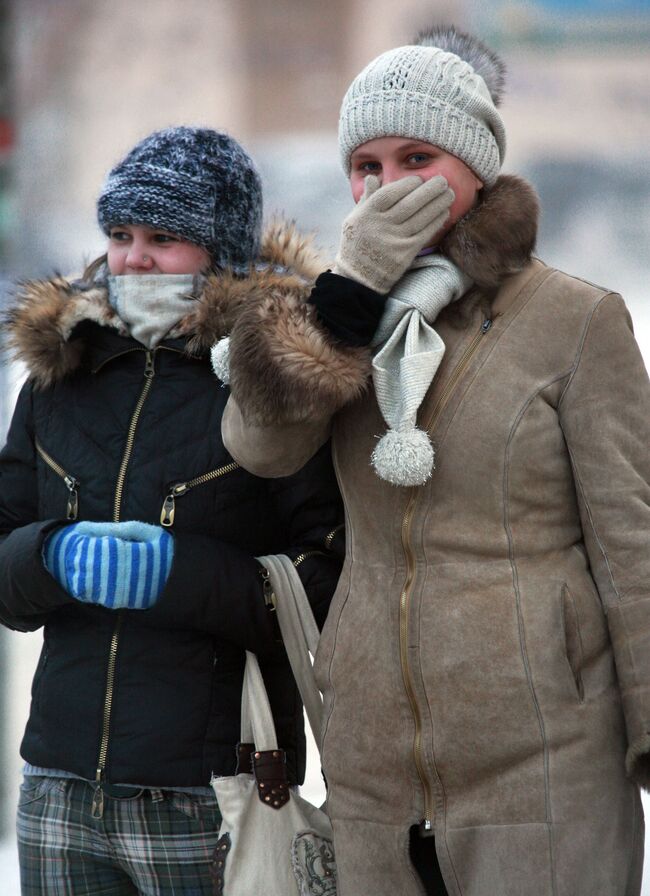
{"points": [[404, 458], [220, 357]]}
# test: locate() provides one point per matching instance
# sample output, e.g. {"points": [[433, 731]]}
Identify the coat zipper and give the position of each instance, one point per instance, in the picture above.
{"points": [[405, 597], [72, 484], [130, 438], [97, 808], [329, 538], [168, 511], [328, 545], [270, 599]]}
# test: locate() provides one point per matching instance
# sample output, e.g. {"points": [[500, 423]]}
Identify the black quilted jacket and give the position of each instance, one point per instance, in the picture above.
{"points": [[113, 432]]}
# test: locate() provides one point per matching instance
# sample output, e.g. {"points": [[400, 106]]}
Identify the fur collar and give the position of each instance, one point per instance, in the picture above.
{"points": [[42, 328], [497, 237], [494, 240]]}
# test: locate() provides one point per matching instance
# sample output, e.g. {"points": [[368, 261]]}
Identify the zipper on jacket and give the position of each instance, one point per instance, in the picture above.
{"points": [[328, 544], [270, 602], [130, 437], [329, 538], [468, 354], [72, 484], [302, 557], [168, 511], [426, 825], [97, 808]]}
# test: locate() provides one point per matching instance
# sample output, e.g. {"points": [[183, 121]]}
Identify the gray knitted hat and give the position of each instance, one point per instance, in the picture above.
{"points": [[195, 182], [443, 89]]}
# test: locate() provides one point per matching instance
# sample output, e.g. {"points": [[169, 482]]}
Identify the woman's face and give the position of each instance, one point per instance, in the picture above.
{"points": [[138, 249], [391, 158]]}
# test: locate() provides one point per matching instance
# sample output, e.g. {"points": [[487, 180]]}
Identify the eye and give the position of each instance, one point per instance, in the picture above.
{"points": [[368, 167], [163, 239], [419, 158], [117, 235]]}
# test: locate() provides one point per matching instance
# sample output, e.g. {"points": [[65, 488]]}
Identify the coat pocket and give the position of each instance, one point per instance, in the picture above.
{"points": [[573, 640], [178, 489], [71, 483]]}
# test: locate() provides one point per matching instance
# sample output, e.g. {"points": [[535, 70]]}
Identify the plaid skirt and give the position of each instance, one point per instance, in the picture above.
{"points": [[159, 843]]}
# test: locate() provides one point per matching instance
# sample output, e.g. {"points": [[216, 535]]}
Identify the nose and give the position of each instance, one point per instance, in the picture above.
{"points": [[390, 173], [137, 258]]}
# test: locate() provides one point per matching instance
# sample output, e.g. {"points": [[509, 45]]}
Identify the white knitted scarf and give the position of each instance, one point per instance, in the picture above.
{"points": [[151, 304], [408, 354]]}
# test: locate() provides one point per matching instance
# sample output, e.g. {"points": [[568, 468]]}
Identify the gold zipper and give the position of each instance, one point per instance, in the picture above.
{"points": [[468, 354], [427, 822], [72, 484], [97, 809], [403, 650], [328, 544], [121, 476], [301, 557], [329, 538], [168, 511]]}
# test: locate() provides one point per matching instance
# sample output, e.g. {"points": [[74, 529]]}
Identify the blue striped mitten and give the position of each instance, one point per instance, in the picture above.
{"points": [[118, 565]]}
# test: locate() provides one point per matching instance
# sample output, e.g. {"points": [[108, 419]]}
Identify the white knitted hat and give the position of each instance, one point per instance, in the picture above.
{"points": [[444, 89]]}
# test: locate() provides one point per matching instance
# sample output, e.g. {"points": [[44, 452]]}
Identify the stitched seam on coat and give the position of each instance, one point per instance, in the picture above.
{"points": [[520, 624], [578, 481], [574, 465], [581, 345], [528, 292]]}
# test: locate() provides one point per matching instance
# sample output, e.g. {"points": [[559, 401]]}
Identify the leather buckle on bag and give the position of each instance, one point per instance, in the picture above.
{"points": [[244, 758], [270, 770]]}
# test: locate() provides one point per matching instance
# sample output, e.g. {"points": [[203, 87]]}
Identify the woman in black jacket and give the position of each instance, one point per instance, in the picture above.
{"points": [[129, 534]]}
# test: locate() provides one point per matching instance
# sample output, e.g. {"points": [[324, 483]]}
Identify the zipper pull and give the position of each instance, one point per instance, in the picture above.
{"points": [[97, 807], [73, 498], [267, 590], [270, 601], [168, 511], [149, 369], [485, 326]]}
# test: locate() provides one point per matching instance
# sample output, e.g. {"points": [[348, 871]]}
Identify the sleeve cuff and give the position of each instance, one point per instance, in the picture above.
{"points": [[348, 309]]}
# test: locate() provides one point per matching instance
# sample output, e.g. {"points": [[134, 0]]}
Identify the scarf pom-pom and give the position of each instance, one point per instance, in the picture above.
{"points": [[220, 356], [404, 458]]}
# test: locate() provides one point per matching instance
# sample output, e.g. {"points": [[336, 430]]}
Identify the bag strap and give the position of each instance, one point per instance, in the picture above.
{"points": [[257, 724], [299, 633]]}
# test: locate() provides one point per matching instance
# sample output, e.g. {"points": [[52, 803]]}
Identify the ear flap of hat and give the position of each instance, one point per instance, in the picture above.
{"points": [[483, 60]]}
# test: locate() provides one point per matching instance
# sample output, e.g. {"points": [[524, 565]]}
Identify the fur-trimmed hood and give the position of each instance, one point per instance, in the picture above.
{"points": [[43, 326]]}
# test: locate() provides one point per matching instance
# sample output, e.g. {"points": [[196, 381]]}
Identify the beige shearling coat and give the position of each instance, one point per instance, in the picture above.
{"points": [[486, 660]]}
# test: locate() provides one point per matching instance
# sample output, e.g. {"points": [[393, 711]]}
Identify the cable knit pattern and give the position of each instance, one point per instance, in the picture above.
{"points": [[425, 93]]}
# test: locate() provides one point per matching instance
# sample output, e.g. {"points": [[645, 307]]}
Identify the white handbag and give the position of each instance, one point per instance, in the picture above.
{"points": [[272, 841]]}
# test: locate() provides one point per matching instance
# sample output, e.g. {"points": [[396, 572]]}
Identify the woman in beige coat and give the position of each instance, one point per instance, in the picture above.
{"points": [[486, 660]]}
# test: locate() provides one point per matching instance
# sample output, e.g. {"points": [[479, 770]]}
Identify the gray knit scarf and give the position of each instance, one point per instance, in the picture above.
{"points": [[408, 354]]}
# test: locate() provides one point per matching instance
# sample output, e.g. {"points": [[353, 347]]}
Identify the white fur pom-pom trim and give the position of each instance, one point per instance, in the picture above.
{"points": [[220, 356], [404, 458]]}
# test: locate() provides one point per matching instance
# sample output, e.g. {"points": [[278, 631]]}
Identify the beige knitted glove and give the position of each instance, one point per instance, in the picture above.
{"points": [[387, 228]]}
